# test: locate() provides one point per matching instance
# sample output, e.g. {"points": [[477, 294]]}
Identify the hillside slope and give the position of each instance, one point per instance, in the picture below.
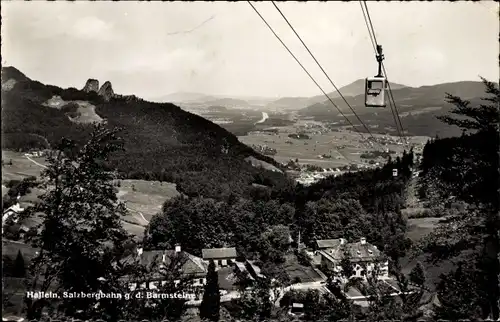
{"points": [[297, 103], [162, 142], [418, 108], [353, 89]]}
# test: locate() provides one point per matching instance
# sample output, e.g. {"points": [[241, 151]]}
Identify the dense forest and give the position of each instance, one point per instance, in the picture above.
{"points": [[368, 203], [349, 206], [466, 169], [162, 142]]}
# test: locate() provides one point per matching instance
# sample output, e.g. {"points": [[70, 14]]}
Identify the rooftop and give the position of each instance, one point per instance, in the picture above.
{"points": [[15, 208], [328, 243], [358, 251], [218, 253], [387, 286], [192, 265]]}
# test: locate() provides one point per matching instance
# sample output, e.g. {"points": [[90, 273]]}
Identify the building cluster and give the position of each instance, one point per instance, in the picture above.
{"points": [[326, 255], [190, 267], [264, 149], [327, 258], [364, 257]]}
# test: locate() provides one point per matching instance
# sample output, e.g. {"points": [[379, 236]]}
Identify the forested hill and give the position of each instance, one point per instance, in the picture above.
{"points": [[417, 107], [465, 171], [162, 142]]}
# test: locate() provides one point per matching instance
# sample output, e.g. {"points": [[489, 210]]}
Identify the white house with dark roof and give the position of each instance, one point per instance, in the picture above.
{"points": [[191, 267], [12, 212], [362, 255], [221, 256]]}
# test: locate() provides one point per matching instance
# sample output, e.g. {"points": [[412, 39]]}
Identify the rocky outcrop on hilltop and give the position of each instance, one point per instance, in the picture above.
{"points": [[106, 91], [92, 85]]}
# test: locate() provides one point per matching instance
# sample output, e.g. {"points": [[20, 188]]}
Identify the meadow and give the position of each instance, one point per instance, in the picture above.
{"points": [[418, 228], [143, 199], [21, 166]]}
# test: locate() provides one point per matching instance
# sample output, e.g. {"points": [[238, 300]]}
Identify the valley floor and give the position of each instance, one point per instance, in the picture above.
{"points": [[325, 147]]}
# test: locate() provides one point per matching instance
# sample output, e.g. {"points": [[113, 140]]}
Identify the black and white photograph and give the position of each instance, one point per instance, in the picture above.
{"points": [[234, 161]]}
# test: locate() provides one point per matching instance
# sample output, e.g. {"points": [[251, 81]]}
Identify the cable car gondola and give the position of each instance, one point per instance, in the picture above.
{"points": [[375, 86]]}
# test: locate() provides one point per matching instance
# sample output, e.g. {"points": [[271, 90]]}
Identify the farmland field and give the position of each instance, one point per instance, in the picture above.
{"points": [[146, 197], [308, 151], [143, 198], [21, 167]]}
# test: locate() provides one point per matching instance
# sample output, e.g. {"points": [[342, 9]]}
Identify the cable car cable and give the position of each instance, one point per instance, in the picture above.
{"points": [[395, 115], [326, 74], [385, 72], [375, 44], [305, 70]]}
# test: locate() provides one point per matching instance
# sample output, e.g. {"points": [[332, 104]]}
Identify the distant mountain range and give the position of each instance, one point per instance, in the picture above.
{"points": [[203, 100], [353, 89], [417, 107], [285, 103], [162, 141], [185, 97]]}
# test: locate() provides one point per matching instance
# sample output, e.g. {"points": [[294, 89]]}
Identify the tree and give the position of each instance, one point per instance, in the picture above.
{"points": [[274, 243], [458, 294], [255, 303], [303, 258], [484, 117], [346, 265], [467, 168], [182, 216], [82, 236], [210, 305], [319, 307], [417, 274], [19, 266]]}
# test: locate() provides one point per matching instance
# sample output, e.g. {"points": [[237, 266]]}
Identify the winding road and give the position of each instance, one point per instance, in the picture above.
{"points": [[139, 213], [37, 163]]}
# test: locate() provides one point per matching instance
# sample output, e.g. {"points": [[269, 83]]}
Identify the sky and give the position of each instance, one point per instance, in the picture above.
{"points": [[152, 49]]}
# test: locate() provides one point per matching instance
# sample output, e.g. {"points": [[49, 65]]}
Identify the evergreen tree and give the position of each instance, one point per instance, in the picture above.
{"points": [[19, 266], [467, 168], [210, 304], [417, 274], [346, 265]]}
